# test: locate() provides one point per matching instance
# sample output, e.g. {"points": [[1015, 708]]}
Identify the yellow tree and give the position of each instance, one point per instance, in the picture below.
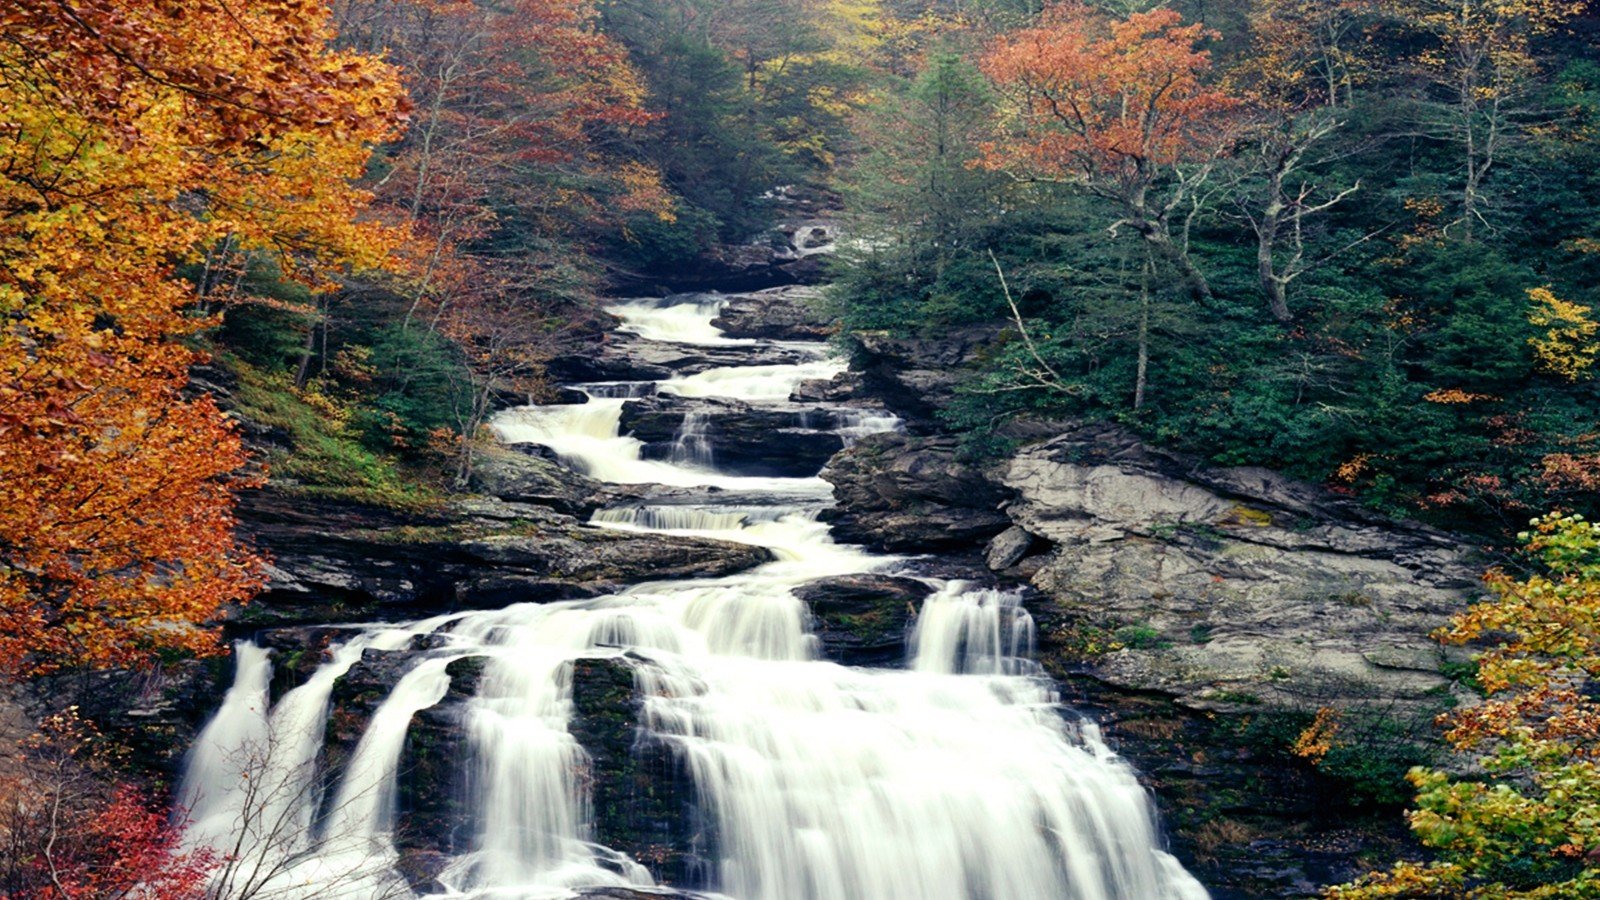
{"points": [[133, 136], [1531, 828]]}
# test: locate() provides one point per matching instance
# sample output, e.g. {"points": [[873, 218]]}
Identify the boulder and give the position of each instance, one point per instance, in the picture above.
{"points": [[841, 388], [523, 474], [739, 439], [863, 620], [790, 313], [1008, 548], [905, 493]]}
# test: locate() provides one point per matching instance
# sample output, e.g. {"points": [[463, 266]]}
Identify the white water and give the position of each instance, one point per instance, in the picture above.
{"points": [[752, 384], [957, 778], [967, 630], [682, 319]]}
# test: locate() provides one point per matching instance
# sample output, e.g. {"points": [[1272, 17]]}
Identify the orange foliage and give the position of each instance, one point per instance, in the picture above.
{"points": [[67, 832], [133, 136], [1106, 101]]}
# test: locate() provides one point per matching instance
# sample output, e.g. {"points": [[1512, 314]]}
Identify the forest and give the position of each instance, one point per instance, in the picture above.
{"points": [[317, 248]]}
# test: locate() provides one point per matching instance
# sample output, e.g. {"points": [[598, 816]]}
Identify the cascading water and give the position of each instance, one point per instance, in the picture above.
{"points": [[957, 777]]}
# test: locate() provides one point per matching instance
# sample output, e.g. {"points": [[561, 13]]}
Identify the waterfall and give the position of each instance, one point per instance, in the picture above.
{"points": [[973, 631], [959, 777], [680, 319], [691, 446]]}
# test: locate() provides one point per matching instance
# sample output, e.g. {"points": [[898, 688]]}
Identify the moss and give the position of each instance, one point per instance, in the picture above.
{"points": [[1245, 515], [325, 456]]}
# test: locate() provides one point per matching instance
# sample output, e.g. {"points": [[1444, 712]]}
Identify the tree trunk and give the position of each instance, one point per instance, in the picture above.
{"points": [[1158, 240], [1141, 378]]}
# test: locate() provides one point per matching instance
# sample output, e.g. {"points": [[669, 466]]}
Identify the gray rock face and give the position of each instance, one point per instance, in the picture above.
{"points": [[1236, 585], [863, 619], [905, 493], [789, 313]]}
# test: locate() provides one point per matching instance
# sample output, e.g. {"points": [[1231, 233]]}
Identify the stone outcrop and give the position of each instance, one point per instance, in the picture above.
{"points": [[904, 493], [863, 620], [1235, 585], [522, 474], [917, 377], [339, 562], [790, 313]]}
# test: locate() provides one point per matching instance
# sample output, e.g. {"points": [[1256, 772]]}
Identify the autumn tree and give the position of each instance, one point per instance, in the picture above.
{"points": [[69, 831], [133, 137], [1118, 108], [1481, 63], [1531, 827], [1300, 79]]}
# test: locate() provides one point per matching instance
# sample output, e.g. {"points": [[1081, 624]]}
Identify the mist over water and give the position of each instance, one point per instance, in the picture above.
{"points": [[957, 777]]}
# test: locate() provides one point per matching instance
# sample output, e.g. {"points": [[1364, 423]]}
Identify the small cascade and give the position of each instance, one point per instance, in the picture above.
{"points": [[963, 630], [680, 319], [956, 778], [752, 384], [691, 446], [855, 424]]}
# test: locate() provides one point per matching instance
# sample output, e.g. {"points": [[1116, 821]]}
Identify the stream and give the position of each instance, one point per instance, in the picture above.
{"points": [[956, 776]]}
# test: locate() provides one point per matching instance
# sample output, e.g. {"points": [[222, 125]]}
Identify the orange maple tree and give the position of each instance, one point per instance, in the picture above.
{"points": [[1116, 106], [133, 135]]}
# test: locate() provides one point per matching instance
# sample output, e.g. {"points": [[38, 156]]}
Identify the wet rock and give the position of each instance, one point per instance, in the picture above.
{"points": [[297, 653], [356, 695], [526, 476], [841, 388], [1008, 548], [500, 591], [631, 352], [335, 562], [791, 313], [905, 493], [595, 556], [594, 364], [436, 805], [742, 440], [863, 620], [643, 798]]}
